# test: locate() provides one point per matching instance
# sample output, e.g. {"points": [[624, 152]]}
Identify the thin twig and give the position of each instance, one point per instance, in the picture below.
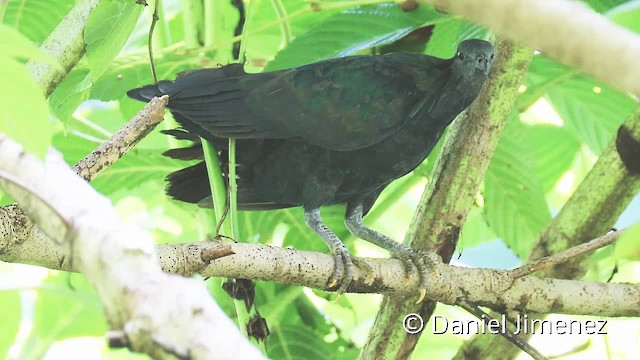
{"points": [[507, 334], [217, 252], [123, 140], [565, 255], [154, 20]]}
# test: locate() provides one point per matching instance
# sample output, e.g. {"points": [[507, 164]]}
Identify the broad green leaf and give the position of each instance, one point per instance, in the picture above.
{"points": [[555, 149], [269, 32], [627, 15], [137, 167], [447, 34], [543, 74], [15, 45], [129, 72], [628, 246], [299, 342], [108, 28], [590, 109], [351, 31], [475, 230], [35, 19], [515, 206], [66, 97], [25, 114], [62, 312], [11, 316], [604, 5]]}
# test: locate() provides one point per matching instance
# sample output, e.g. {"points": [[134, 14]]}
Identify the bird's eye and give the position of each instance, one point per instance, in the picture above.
{"points": [[480, 59], [460, 55], [491, 57]]}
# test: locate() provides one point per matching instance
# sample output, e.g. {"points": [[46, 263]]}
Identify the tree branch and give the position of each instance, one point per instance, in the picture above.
{"points": [[157, 312], [495, 289], [598, 47], [455, 182], [121, 142], [566, 255], [66, 44]]}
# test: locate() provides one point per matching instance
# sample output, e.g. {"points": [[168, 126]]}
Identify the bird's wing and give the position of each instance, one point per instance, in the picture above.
{"points": [[350, 103], [341, 104]]}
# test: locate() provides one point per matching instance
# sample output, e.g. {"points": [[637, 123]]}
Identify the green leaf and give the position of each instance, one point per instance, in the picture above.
{"points": [[66, 97], [137, 167], [555, 149], [604, 5], [543, 74], [25, 114], [628, 246], [590, 109], [475, 230], [15, 45], [351, 31], [62, 312], [627, 15], [515, 207], [129, 72], [12, 313], [35, 19], [299, 342], [108, 28], [447, 34]]}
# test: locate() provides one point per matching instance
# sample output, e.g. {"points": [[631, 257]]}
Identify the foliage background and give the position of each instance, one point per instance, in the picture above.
{"points": [[561, 123]]}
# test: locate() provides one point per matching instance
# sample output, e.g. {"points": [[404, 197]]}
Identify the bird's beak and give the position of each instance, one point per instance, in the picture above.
{"points": [[487, 68], [484, 65]]}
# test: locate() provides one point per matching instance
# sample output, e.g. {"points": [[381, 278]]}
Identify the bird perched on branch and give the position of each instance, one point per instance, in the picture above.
{"points": [[336, 131]]}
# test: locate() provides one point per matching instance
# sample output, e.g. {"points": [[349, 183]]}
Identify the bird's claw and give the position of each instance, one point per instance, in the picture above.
{"points": [[343, 269], [413, 262]]}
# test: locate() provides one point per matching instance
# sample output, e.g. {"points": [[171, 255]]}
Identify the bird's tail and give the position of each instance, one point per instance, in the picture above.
{"points": [[191, 184]]}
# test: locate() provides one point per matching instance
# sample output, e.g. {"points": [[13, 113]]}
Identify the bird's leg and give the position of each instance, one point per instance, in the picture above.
{"points": [[407, 255], [343, 271]]}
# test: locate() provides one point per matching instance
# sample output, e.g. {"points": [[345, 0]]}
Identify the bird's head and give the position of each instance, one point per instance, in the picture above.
{"points": [[473, 56]]}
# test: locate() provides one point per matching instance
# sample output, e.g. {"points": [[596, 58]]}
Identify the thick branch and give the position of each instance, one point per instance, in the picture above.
{"points": [[157, 312], [597, 46], [452, 190], [591, 211], [492, 288], [66, 44]]}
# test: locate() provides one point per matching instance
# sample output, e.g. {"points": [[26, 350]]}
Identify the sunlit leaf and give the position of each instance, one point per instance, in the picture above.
{"points": [[62, 312], [447, 34], [351, 31], [12, 312], [36, 18], [590, 109], [17, 46], [108, 28], [25, 113], [515, 206], [554, 148], [628, 246]]}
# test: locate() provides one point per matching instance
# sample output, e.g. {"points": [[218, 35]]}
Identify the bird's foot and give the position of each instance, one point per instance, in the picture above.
{"points": [[343, 268], [414, 264]]}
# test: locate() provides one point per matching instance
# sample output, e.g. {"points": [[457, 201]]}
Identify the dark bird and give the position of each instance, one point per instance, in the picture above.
{"points": [[336, 131]]}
